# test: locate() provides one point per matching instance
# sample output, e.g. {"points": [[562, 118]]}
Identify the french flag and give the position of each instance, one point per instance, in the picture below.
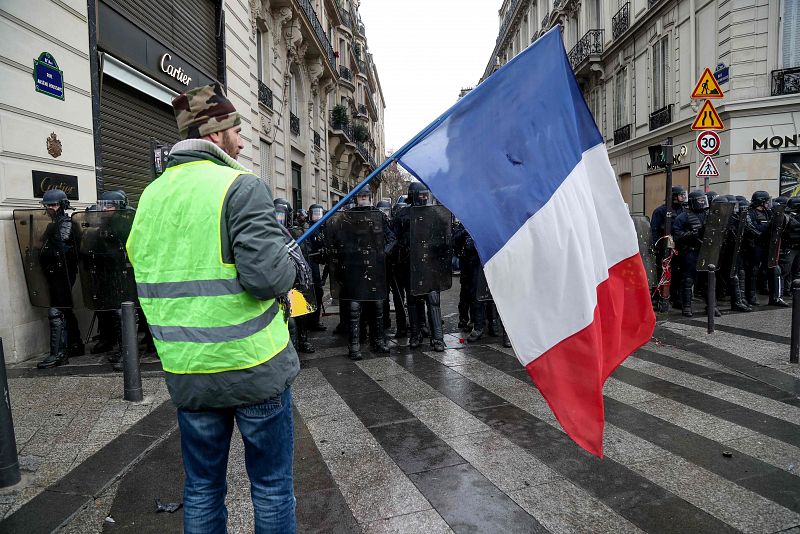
{"points": [[520, 161]]}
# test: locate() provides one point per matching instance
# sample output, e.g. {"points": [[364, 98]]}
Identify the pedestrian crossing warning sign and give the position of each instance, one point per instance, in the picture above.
{"points": [[708, 118], [707, 168], [707, 86]]}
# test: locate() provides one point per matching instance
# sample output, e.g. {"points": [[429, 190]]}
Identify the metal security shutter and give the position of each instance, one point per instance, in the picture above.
{"points": [[188, 26], [129, 121]]}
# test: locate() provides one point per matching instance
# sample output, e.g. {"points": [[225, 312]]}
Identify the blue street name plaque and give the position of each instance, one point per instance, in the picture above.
{"points": [[48, 77]]}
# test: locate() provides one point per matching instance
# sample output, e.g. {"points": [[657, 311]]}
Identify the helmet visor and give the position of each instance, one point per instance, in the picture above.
{"points": [[315, 214]]}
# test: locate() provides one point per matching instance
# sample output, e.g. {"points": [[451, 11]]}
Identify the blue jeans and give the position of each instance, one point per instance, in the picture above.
{"points": [[268, 435]]}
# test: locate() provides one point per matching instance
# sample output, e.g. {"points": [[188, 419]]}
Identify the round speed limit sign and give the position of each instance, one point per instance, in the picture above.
{"points": [[708, 143]]}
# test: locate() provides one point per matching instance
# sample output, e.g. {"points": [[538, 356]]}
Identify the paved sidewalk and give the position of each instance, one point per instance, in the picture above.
{"points": [[702, 435]]}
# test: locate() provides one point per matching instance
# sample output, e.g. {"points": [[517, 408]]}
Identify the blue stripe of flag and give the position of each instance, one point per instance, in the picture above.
{"points": [[508, 145]]}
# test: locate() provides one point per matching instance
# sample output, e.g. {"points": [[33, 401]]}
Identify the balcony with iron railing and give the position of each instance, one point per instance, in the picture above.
{"points": [[591, 44], [622, 134], [345, 73], [317, 139], [621, 21], [264, 94], [786, 81], [651, 3], [545, 20], [361, 110], [507, 20], [335, 183], [294, 124], [313, 21], [661, 117], [348, 22]]}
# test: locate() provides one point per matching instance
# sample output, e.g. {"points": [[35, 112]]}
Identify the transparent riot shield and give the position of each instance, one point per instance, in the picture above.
{"points": [[49, 264], [431, 241], [776, 228], [356, 258], [642, 225], [106, 274], [714, 235], [737, 246]]}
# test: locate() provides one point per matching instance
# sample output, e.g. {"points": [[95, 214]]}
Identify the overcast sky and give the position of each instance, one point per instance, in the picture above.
{"points": [[425, 52]]}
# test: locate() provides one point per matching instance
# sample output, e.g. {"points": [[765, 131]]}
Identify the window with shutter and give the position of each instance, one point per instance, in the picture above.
{"points": [[265, 151], [791, 33]]}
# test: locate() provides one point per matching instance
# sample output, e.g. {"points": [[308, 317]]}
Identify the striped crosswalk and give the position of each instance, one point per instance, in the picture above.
{"points": [[461, 441]]}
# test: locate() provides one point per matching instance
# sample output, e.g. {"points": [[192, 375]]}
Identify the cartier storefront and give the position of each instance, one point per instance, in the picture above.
{"points": [[148, 52]]}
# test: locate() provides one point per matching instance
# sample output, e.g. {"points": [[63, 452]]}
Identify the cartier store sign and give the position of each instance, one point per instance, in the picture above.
{"points": [[171, 70]]}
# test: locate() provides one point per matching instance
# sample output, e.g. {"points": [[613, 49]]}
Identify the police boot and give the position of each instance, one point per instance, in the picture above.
{"points": [[303, 344], [479, 318], [415, 334], [687, 301], [377, 339], [354, 347], [435, 320], [58, 340], [737, 300], [776, 289], [752, 294], [424, 329], [506, 340], [292, 326], [494, 321]]}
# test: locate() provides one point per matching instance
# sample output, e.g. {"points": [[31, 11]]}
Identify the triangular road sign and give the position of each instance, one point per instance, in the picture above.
{"points": [[707, 168], [708, 118], [707, 86]]}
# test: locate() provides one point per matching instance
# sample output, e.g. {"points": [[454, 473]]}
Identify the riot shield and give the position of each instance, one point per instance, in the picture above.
{"points": [[303, 301], [646, 251], [106, 274], [50, 272], [737, 247], [714, 235], [431, 241], [356, 258], [482, 294], [775, 229]]}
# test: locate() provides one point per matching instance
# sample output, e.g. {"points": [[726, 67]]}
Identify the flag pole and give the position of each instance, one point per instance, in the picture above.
{"points": [[394, 157]]}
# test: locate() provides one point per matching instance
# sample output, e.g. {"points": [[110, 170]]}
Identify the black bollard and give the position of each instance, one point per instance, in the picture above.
{"points": [[131, 376], [9, 462], [794, 351], [711, 296]]}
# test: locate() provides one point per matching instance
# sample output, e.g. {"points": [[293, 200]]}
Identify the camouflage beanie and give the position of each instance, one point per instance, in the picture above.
{"points": [[204, 110]]}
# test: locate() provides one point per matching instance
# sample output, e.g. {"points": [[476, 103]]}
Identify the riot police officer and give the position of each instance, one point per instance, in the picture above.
{"points": [[688, 232], [757, 233], [316, 257], [790, 243], [59, 262], [108, 321], [394, 288], [418, 195], [468, 264], [731, 265], [374, 309], [298, 326]]}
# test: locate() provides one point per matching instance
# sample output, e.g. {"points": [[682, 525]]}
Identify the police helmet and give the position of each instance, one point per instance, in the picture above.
{"points": [[113, 199], [711, 195], [760, 198], [55, 196], [793, 205], [698, 201], [780, 201], [419, 194], [677, 192], [287, 210], [315, 212], [385, 207], [364, 192]]}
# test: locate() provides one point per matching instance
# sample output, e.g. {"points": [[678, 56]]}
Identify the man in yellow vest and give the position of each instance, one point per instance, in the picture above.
{"points": [[212, 269]]}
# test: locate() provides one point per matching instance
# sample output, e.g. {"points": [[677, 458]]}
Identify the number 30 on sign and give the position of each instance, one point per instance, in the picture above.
{"points": [[708, 143]]}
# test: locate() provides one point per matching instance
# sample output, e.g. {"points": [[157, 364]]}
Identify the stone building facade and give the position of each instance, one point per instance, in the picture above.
{"points": [[637, 62], [85, 95]]}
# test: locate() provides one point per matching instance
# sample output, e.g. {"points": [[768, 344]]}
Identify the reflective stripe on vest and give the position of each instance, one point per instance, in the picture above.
{"points": [[201, 318]]}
